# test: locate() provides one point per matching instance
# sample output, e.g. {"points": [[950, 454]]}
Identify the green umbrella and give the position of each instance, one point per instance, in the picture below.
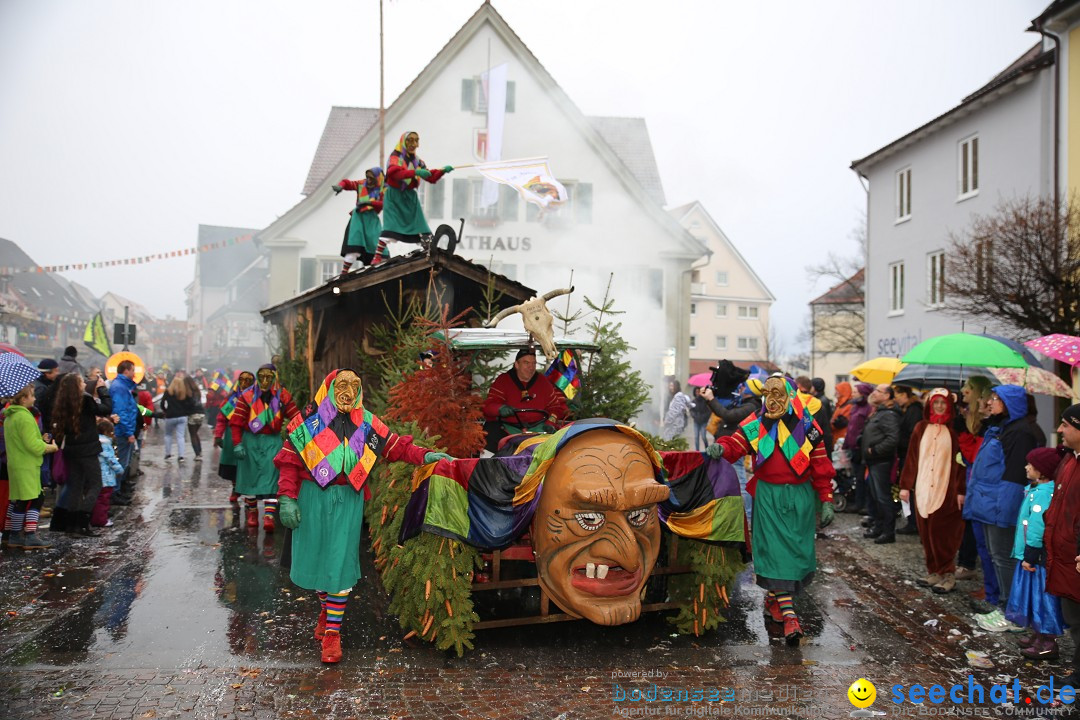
{"points": [[965, 349]]}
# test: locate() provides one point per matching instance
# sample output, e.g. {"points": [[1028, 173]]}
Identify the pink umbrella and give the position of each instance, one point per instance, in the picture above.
{"points": [[1035, 380], [700, 380], [1065, 348]]}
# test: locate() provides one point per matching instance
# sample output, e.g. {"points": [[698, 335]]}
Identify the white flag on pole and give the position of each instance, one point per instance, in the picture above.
{"points": [[531, 177], [494, 86]]}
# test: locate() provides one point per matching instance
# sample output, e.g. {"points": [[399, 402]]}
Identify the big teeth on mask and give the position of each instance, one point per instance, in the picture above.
{"points": [[590, 570], [601, 571]]}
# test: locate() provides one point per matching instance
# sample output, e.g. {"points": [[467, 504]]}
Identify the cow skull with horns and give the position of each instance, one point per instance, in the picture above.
{"points": [[537, 319]]}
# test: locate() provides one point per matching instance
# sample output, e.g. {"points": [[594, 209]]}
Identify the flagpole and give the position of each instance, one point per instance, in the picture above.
{"points": [[382, 85]]}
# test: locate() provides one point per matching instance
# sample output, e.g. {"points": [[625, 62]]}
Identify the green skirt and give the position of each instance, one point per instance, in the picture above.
{"points": [[402, 214], [228, 454], [256, 474], [363, 232], [326, 545], [784, 524]]}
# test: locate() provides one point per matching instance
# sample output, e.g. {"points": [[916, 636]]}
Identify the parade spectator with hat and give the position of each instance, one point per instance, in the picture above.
{"points": [[1060, 535], [68, 363]]}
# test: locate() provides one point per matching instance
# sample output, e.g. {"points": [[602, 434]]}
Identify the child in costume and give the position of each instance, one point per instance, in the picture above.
{"points": [[26, 448], [792, 472], [932, 471], [223, 439], [256, 424], [403, 218], [324, 466], [1029, 603], [363, 231]]}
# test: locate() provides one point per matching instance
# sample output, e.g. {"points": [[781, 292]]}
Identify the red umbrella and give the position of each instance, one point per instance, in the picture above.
{"points": [[6, 347], [700, 380]]}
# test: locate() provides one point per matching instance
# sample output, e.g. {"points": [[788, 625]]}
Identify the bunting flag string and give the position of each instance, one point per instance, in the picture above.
{"points": [[139, 260]]}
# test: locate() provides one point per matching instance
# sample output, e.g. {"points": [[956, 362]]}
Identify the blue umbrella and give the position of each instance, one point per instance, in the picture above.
{"points": [[16, 372], [1018, 347]]}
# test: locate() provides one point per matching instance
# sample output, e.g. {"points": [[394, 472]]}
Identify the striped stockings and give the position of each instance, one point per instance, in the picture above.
{"points": [[14, 522], [251, 504], [334, 603], [787, 605], [269, 509]]}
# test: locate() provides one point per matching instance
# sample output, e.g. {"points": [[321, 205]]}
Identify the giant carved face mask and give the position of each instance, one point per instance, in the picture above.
{"points": [[346, 390], [775, 397], [596, 533]]}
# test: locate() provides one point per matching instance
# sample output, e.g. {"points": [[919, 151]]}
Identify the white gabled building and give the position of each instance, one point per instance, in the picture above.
{"points": [[614, 223]]}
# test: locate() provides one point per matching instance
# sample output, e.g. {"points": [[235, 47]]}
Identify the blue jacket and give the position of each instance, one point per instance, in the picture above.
{"points": [[111, 468], [996, 483], [1028, 544], [124, 405]]}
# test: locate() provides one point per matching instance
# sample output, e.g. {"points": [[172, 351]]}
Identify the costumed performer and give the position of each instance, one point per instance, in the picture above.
{"points": [[363, 230], [403, 218], [522, 400], [324, 466], [791, 472], [261, 411], [938, 480], [224, 440]]}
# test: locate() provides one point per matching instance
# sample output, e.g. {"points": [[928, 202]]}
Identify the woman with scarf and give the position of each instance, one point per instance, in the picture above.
{"points": [[322, 493], [403, 218], [792, 473], [931, 470], [222, 439], [362, 232], [261, 411]]}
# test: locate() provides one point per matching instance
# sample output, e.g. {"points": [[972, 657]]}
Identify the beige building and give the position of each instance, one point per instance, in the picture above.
{"points": [[838, 331], [729, 303]]}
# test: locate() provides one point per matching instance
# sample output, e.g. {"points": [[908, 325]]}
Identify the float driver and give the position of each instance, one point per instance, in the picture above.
{"points": [[522, 400]]}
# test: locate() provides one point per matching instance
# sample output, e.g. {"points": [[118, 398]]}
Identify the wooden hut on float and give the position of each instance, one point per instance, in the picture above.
{"points": [[340, 313]]}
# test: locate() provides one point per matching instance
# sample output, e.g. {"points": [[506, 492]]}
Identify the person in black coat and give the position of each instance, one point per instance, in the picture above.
{"points": [[911, 414], [879, 442], [74, 427]]}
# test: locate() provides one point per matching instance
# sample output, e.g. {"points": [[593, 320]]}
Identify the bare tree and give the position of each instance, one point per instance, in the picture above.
{"points": [[1019, 264], [839, 324]]}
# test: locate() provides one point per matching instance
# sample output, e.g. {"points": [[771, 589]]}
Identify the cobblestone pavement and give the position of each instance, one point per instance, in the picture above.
{"points": [[177, 612]]}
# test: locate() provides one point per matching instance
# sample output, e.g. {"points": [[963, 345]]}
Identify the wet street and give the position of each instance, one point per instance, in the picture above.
{"points": [[179, 612]]}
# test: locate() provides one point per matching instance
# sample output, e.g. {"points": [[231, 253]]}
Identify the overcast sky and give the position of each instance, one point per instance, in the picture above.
{"points": [[125, 124]]}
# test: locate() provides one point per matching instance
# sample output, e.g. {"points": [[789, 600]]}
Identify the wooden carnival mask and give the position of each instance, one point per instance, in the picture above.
{"points": [[245, 381], [346, 390], [775, 397], [595, 533]]}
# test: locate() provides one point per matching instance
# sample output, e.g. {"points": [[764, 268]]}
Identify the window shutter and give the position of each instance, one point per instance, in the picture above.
{"points": [[461, 198], [583, 203], [467, 92], [510, 96], [508, 203], [309, 273], [436, 198]]}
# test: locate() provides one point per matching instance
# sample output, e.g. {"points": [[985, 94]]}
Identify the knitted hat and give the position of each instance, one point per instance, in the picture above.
{"points": [[1045, 460], [523, 352], [864, 389], [1071, 415]]}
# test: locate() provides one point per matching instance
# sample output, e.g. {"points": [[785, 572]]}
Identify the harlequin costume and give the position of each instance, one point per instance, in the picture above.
{"points": [[261, 411], [791, 473], [223, 439], [363, 230], [403, 218], [937, 480], [324, 466]]}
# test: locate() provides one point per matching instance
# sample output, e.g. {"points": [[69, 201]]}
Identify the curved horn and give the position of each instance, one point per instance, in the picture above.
{"points": [[505, 313], [556, 293]]}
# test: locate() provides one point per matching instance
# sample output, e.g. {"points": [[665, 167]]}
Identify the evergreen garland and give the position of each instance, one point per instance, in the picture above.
{"points": [[703, 592]]}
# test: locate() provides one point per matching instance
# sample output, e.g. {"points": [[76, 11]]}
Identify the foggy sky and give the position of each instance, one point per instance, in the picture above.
{"points": [[126, 123]]}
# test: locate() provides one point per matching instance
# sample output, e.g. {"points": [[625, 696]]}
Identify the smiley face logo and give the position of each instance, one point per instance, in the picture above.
{"points": [[862, 693]]}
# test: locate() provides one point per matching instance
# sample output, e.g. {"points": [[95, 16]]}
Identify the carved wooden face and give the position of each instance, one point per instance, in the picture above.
{"points": [[346, 390], [775, 397], [596, 533], [266, 378], [245, 381]]}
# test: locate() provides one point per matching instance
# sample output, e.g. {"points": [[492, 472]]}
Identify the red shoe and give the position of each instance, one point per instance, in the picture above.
{"points": [[331, 648], [320, 626], [234, 498], [772, 610], [268, 523], [253, 518], [377, 260], [792, 630]]}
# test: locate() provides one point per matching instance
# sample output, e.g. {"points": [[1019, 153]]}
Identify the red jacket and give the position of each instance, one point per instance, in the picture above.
{"points": [[1060, 534], [776, 470], [399, 448], [402, 179], [147, 401], [538, 394], [242, 415]]}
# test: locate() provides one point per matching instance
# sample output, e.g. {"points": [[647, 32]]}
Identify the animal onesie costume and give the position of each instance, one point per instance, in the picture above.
{"points": [[791, 473], [935, 479], [261, 411], [363, 230], [324, 466], [403, 218]]}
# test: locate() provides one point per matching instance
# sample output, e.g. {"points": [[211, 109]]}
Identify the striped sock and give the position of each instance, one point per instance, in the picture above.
{"points": [[9, 523], [31, 522], [787, 605], [269, 508], [335, 610], [15, 521], [251, 503], [322, 599], [345, 267]]}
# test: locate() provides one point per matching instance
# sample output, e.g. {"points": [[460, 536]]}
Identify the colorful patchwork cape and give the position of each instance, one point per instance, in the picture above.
{"points": [[563, 374], [490, 502], [331, 443], [795, 433], [264, 415]]}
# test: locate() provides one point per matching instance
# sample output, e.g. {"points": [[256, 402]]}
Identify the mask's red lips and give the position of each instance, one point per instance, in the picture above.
{"points": [[617, 583]]}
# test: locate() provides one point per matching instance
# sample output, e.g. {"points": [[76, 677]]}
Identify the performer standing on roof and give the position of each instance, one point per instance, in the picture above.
{"points": [[403, 218], [362, 232]]}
